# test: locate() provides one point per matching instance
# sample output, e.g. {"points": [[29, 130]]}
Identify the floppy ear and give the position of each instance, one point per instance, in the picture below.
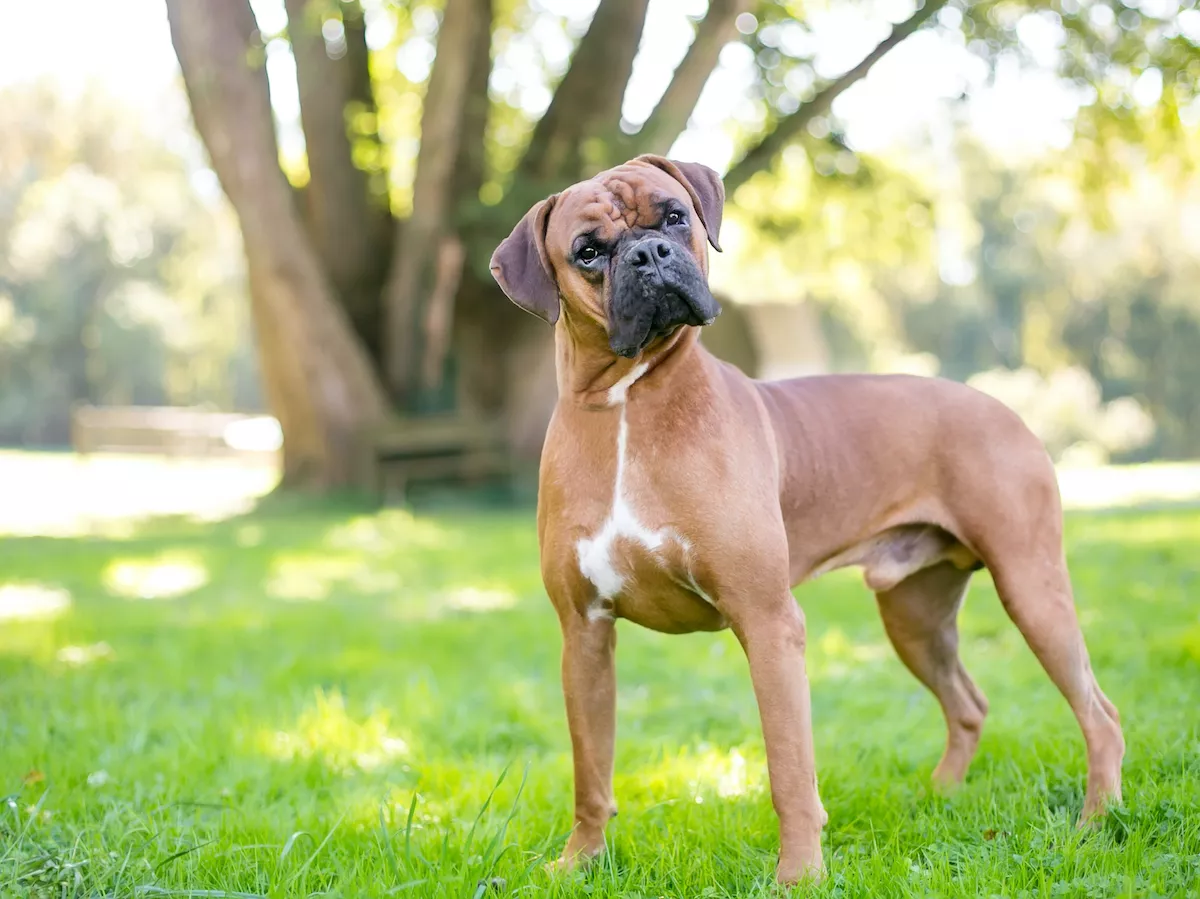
{"points": [[705, 187], [521, 268]]}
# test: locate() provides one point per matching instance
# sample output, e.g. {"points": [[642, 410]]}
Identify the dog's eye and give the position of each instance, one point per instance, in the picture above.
{"points": [[674, 218], [588, 254]]}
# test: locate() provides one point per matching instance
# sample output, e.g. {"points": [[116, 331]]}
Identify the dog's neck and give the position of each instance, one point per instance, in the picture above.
{"points": [[591, 376]]}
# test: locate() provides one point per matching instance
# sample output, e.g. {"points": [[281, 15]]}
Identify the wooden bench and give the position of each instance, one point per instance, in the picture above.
{"points": [[457, 446], [157, 430]]}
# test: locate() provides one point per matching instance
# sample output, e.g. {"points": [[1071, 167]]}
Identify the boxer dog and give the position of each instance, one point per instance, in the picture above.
{"points": [[680, 494]]}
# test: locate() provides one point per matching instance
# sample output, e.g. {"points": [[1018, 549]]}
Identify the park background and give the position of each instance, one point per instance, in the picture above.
{"points": [[255, 234]]}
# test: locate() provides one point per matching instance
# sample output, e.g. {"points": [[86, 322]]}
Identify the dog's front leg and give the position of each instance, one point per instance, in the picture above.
{"points": [[590, 689], [774, 640]]}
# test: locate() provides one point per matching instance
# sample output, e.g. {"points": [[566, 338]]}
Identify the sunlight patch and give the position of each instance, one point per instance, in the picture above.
{"points": [[249, 535], [473, 599], [78, 656], [1190, 643], [163, 577], [313, 578], [708, 773], [732, 780], [27, 602], [111, 495], [836, 655], [388, 532], [836, 645], [304, 578], [326, 732], [1126, 485]]}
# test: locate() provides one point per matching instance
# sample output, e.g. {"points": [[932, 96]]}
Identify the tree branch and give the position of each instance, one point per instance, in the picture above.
{"points": [[443, 129], [670, 116], [453, 258], [471, 165], [763, 153], [350, 229], [587, 103]]}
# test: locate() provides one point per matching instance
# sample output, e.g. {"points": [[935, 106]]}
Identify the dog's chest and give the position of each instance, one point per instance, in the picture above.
{"points": [[640, 570]]}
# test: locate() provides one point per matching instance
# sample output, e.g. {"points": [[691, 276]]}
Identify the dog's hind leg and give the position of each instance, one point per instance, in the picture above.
{"points": [[920, 615], [1036, 592]]}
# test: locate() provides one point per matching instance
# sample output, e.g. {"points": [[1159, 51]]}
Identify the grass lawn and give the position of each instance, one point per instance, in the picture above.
{"points": [[308, 699]]}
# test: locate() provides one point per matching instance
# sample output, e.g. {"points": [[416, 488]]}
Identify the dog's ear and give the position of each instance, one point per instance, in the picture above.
{"points": [[521, 268], [705, 187]]}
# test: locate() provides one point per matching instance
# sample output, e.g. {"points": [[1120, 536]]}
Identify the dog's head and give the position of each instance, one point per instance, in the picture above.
{"points": [[626, 249]]}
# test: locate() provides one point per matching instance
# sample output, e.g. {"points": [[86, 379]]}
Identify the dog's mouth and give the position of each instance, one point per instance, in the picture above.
{"points": [[676, 311], [701, 316], [643, 316]]}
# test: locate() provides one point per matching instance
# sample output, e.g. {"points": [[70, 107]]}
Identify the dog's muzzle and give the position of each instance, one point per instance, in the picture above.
{"points": [[657, 287]]}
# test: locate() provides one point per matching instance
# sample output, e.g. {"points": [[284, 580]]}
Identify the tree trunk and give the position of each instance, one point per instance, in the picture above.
{"points": [[348, 219], [316, 269], [415, 274], [469, 214], [670, 116], [581, 126], [317, 377], [506, 361]]}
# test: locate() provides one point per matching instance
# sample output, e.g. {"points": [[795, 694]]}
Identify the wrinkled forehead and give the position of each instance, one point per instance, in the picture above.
{"points": [[613, 202]]}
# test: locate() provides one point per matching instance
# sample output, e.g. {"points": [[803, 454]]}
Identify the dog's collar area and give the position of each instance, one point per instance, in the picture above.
{"points": [[618, 392], [610, 390], [599, 381]]}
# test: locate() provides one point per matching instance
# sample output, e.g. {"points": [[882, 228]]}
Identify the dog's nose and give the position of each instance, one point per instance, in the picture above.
{"points": [[645, 253]]}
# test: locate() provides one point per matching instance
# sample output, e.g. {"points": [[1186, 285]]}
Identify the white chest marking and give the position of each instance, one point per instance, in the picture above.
{"points": [[595, 553], [616, 393]]}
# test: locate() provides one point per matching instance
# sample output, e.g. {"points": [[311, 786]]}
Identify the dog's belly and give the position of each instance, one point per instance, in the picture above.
{"points": [[887, 558]]}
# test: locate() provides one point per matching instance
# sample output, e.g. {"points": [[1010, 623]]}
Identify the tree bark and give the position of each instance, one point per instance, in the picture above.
{"points": [[349, 223], [507, 361], [581, 126], [439, 311], [471, 164], [471, 217], [762, 154], [317, 377], [442, 142], [670, 116]]}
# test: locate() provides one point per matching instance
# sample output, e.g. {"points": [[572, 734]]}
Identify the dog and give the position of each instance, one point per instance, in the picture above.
{"points": [[678, 493]]}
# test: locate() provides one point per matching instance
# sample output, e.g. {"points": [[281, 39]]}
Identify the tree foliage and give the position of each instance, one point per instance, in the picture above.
{"points": [[118, 283], [1090, 328], [425, 129], [422, 315]]}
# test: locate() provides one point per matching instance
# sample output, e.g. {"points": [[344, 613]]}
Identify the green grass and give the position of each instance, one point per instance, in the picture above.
{"points": [[313, 700]]}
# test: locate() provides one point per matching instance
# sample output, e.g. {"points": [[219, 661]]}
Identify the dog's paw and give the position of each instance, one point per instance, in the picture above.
{"points": [[790, 876], [560, 866], [947, 778], [1096, 806], [573, 860], [800, 865]]}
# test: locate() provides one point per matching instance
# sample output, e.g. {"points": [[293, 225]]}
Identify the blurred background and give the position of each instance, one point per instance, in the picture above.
{"points": [[260, 229], [244, 245]]}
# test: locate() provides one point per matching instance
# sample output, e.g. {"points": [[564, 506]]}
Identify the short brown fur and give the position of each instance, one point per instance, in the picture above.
{"points": [[737, 490]]}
